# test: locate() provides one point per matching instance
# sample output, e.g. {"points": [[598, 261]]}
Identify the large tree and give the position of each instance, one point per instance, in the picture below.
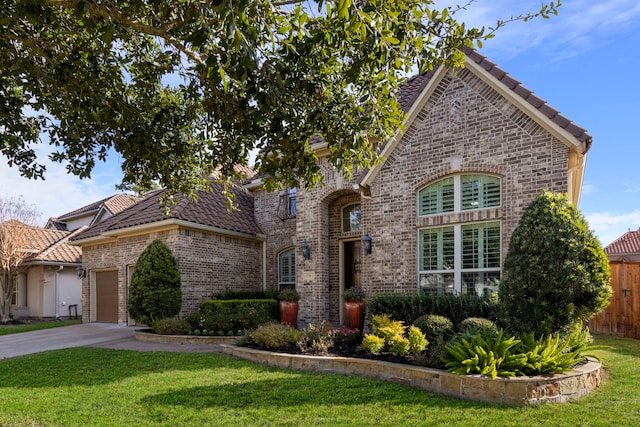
{"points": [[16, 220], [182, 87]]}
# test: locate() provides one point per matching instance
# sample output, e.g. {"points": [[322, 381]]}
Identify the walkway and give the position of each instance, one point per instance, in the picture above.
{"points": [[102, 335]]}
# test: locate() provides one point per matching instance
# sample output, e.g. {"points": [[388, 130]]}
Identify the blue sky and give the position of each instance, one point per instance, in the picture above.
{"points": [[583, 62]]}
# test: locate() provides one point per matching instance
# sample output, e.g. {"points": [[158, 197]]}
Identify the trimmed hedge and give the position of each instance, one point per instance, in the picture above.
{"points": [[236, 315], [228, 294], [408, 307]]}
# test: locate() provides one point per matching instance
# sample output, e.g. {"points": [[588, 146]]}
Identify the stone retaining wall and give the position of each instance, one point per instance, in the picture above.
{"points": [[183, 339], [556, 388]]}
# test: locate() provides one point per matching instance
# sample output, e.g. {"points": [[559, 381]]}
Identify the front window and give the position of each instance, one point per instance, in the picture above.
{"points": [[463, 257], [351, 218], [287, 269]]}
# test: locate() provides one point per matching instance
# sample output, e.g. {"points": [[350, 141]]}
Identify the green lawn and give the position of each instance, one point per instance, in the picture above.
{"points": [[96, 387], [14, 329]]}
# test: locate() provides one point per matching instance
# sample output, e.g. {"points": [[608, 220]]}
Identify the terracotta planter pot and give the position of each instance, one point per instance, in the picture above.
{"points": [[289, 313], [354, 315]]}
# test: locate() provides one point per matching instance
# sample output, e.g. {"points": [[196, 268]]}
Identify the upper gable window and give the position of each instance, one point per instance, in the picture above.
{"points": [[287, 207], [351, 218], [459, 193]]}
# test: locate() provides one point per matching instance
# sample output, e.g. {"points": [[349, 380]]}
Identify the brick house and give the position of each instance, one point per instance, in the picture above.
{"points": [[439, 209]]}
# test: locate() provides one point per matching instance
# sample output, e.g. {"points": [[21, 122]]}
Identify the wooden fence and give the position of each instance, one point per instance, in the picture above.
{"points": [[622, 317]]}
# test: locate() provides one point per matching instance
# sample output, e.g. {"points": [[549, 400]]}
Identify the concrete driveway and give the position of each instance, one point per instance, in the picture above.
{"points": [[86, 334], [104, 335]]}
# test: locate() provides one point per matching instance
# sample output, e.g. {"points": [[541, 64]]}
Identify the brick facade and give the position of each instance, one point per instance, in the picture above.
{"points": [[208, 263], [466, 126]]}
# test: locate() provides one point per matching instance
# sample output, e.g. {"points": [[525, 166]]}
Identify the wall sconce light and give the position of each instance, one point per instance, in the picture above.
{"points": [[306, 249], [81, 272], [366, 244]]}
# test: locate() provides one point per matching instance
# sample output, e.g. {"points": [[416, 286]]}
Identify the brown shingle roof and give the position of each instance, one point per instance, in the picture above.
{"points": [[210, 210], [412, 88], [628, 243], [113, 204]]}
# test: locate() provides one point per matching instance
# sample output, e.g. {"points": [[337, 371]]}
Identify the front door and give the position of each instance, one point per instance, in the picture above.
{"points": [[351, 267]]}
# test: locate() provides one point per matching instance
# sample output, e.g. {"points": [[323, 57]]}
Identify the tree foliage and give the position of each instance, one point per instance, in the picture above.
{"points": [[16, 221], [556, 272], [180, 88], [155, 291]]}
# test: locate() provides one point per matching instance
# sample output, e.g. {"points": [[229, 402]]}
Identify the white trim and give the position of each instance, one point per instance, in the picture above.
{"points": [[144, 228]]}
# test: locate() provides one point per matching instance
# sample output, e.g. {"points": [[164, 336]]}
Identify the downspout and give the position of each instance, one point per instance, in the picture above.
{"points": [[56, 291], [264, 265]]}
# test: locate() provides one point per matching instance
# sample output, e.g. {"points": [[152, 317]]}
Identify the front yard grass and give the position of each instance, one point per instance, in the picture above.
{"points": [[34, 326], [103, 387]]}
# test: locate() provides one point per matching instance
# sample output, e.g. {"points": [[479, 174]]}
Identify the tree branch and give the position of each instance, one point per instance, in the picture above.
{"points": [[118, 15]]}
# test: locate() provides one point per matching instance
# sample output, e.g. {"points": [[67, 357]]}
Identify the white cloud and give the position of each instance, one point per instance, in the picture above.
{"points": [[608, 226], [58, 194], [579, 25]]}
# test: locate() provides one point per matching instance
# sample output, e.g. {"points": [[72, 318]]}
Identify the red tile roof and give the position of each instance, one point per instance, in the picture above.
{"points": [[628, 243], [47, 245], [209, 210]]}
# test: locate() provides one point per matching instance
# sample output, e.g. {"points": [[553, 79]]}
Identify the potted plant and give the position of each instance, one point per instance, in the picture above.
{"points": [[289, 306], [354, 307]]}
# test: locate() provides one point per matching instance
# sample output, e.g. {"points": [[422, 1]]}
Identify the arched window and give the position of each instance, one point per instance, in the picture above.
{"points": [[351, 218], [462, 257], [287, 269], [459, 193]]}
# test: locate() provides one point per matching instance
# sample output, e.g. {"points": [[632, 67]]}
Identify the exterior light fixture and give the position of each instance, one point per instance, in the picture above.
{"points": [[81, 272], [306, 249], [366, 243]]}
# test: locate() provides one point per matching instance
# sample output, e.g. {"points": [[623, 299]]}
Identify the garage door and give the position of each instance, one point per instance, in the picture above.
{"points": [[107, 296]]}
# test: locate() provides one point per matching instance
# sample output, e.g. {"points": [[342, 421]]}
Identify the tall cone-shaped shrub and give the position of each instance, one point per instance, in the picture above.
{"points": [[556, 272], [155, 291]]}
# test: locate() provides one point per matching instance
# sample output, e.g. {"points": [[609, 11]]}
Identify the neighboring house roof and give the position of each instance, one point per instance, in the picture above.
{"points": [[110, 205], [628, 243], [47, 246], [209, 210]]}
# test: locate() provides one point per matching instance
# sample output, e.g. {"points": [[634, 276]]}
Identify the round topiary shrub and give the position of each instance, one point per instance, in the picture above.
{"points": [[435, 327], [155, 291], [555, 272], [477, 324]]}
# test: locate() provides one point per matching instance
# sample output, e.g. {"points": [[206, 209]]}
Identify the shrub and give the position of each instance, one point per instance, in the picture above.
{"points": [[273, 336], [555, 272], [372, 343], [238, 314], [289, 295], [408, 307], [388, 334], [474, 325], [234, 294], [485, 354], [316, 338], [435, 327], [155, 291], [171, 326]]}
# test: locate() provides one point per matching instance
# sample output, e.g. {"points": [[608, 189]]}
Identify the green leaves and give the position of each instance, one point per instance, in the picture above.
{"points": [[556, 272], [181, 88]]}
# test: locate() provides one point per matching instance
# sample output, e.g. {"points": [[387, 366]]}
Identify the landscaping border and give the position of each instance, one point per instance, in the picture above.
{"points": [[557, 388], [145, 335]]}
